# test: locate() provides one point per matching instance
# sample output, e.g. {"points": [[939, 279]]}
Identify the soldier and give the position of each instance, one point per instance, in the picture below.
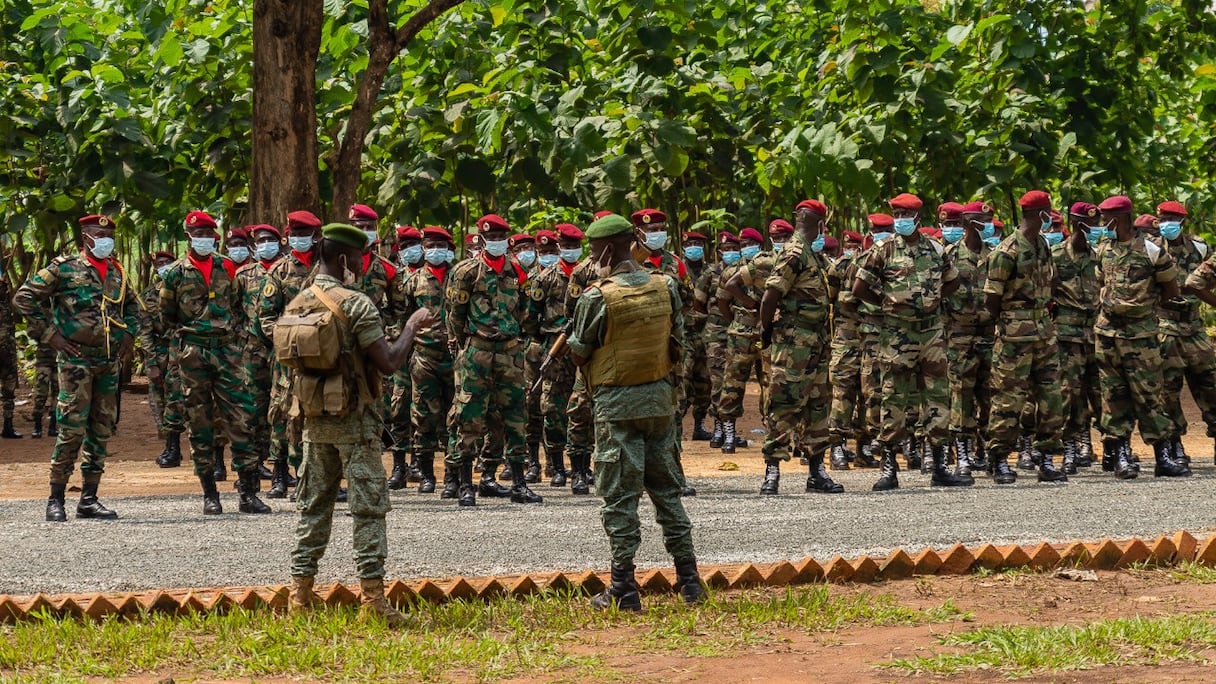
{"points": [[908, 276], [708, 288], [799, 397], [485, 310], [696, 364], [8, 361], [202, 311], [46, 389], [846, 418], [340, 440], [626, 338], [1186, 352], [1136, 276], [82, 306], [743, 354], [237, 241], [523, 250], [869, 326], [1025, 359], [1075, 292], [156, 358], [401, 423], [256, 349]]}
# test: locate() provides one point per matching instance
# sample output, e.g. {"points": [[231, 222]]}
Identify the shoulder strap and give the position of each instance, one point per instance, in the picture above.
{"points": [[330, 304]]}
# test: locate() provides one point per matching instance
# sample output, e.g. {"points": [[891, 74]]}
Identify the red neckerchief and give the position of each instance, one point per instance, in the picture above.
{"points": [[303, 257], [438, 271], [230, 267], [656, 260], [493, 263], [204, 266], [367, 261], [266, 264], [567, 268], [99, 264]]}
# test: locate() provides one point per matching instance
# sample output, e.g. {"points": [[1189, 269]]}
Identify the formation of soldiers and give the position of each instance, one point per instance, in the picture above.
{"points": [[947, 341]]}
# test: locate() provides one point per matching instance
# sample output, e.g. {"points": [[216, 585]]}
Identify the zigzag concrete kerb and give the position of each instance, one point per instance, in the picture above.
{"points": [[1105, 554]]}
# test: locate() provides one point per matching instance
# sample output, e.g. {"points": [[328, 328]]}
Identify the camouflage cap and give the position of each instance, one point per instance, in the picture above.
{"points": [[345, 234]]}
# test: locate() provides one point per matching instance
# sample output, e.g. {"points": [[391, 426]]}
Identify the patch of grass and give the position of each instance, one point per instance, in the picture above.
{"points": [[554, 634], [1021, 651], [1193, 573]]}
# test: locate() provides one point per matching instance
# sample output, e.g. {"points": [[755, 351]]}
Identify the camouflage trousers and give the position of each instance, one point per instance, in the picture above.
{"points": [[256, 360], [715, 350], [46, 377], [914, 382], [969, 358], [322, 468], [157, 392], [432, 391], [871, 382], [1191, 359], [555, 394], [285, 431], [215, 397], [401, 426], [489, 395], [844, 371], [8, 371], [580, 422], [1025, 377], [87, 408], [742, 362], [632, 456], [1129, 371], [799, 391], [534, 356], [1079, 387], [172, 417], [697, 385]]}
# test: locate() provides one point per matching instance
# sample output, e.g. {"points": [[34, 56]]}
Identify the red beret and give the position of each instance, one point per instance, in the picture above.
{"points": [[520, 237], [1118, 204], [812, 205], [362, 212], [727, 237], [1171, 207], [950, 211], [569, 231], [436, 233], [694, 235], [1057, 218], [1146, 221], [930, 231], [906, 201], [750, 234], [602, 213], [881, 220], [162, 254], [977, 208], [546, 237], [470, 239], [997, 223], [492, 222], [263, 226], [646, 217], [200, 219], [851, 236], [1083, 210], [408, 233], [782, 227], [242, 233], [1035, 199], [302, 219], [830, 243], [95, 220]]}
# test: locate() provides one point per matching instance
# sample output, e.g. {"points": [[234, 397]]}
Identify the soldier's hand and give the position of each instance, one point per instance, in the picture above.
{"points": [[61, 344], [766, 337], [154, 374], [420, 319]]}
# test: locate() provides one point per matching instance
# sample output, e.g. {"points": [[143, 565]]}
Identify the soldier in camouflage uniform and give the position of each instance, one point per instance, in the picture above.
{"points": [[869, 327], [696, 363], [344, 444], [627, 339], [739, 303], [486, 305], [709, 287], [1025, 359], [1075, 292], [523, 251], [430, 366], [46, 389], [256, 349], [1186, 351], [799, 396], [580, 424], [1136, 275], [1201, 282], [401, 427], [82, 306], [847, 416], [8, 360], [156, 359], [201, 309], [908, 276]]}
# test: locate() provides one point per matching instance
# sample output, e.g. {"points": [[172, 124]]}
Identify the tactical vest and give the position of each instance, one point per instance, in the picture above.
{"points": [[637, 335]]}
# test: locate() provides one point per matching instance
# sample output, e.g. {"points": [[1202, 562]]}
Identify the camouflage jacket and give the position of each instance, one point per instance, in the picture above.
{"points": [[1075, 292], [424, 288], [484, 303], [966, 306], [1188, 253], [69, 296], [1020, 272], [192, 306], [752, 274], [548, 294], [1131, 273], [282, 283], [705, 292], [581, 278], [801, 276], [381, 282], [908, 277], [673, 266], [249, 281], [153, 338]]}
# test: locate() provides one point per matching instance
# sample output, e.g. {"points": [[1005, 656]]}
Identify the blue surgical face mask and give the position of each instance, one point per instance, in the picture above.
{"points": [[238, 254], [750, 251], [882, 236], [267, 250], [411, 254], [203, 246], [730, 258], [300, 243], [571, 256], [694, 253], [778, 246], [102, 247], [987, 229], [451, 256], [162, 270], [993, 241], [817, 244], [1053, 239], [372, 236], [526, 258], [905, 226], [1095, 235], [547, 260], [496, 248], [656, 240], [436, 256], [952, 234], [1170, 230]]}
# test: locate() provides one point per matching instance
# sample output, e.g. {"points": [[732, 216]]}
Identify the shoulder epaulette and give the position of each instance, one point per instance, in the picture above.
{"points": [[1152, 249]]}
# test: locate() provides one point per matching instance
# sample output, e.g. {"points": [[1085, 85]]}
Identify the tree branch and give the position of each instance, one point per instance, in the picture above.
{"points": [[421, 18]]}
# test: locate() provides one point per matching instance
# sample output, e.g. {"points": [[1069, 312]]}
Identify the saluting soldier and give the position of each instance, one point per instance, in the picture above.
{"points": [[83, 307]]}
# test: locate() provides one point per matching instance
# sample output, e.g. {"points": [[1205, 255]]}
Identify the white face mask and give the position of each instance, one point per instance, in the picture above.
{"points": [[496, 248], [300, 243], [203, 246], [102, 247]]}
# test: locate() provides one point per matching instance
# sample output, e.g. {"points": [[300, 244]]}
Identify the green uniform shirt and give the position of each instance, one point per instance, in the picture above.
{"points": [[191, 306], [908, 277], [282, 283], [1131, 273], [483, 303], [965, 307], [1075, 291], [1021, 274], [424, 289], [1188, 253], [548, 294], [69, 296], [800, 275]]}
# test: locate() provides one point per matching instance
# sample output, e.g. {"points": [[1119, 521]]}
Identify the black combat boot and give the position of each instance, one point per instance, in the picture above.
{"points": [[490, 487], [622, 592], [1048, 471], [278, 480], [557, 463], [911, 449], [426, 468], [865, 455], [688, 581], [579, 465], [1070, 456], [532, 473], [1002, 474], [250, 484], [36, 433], [221, 469], [412, 473], [699, 433], [520, 492], [840, 460], [211, 495], [888, 474], [52, 429], [979, 452], [468, 493], [1110, 454], [715, 440], [1179, 453], [171, 457], [397, 479], [264, 472], [962, 458], [819, 481], [451, 481], [9, 432], [772, 476], [728, 436], [1026, 460], [1085, 449], [1167, 465], [90, 507], [54, 504], [1127, 467], [940, 472]]}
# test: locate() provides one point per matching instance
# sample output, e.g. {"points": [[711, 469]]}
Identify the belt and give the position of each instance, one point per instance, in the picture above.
{"points": [[94, 352], [209, 341], [1025, 314], [918, 325], [492, 345], [1119, 321], [1188, 316], [1074, 318]]}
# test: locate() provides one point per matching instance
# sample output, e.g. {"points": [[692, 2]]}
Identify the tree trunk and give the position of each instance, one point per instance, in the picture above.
{"points": [[283, 174]]}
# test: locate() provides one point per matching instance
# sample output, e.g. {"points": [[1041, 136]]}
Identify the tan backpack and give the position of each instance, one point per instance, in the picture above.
{"points": [[308, 336]]}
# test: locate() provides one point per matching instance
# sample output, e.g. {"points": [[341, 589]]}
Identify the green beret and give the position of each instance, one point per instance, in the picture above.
{"points": [[612, 224], [345, 233]]}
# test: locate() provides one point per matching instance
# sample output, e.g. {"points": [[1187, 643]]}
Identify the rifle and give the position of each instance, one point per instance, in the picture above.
{"points": [[557, 350]]}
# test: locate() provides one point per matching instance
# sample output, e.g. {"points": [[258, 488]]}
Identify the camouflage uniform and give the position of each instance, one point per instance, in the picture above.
{"points": [[548, 294], [430, 367], [742, 352], [969, 349], [381, 282], [1186, 352], [847, 417], [580, 430], [156, 356], [70, 297], [716, 339], [46, 382], [401, 424], [696, 363], [281, 284], [256, 353], [1076, 299], [8, 355]]}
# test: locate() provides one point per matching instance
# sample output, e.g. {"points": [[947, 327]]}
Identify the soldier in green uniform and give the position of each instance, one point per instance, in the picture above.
{"points": [[255, 348], [580, 424], [846, 417], [83, 307], [156, 358], [46, 389], [908, 276], [1136, 276], [1202, 281], [708, 288], [8, 359], [869, 325], [340, 441], [696, 364], [739, 300], [626, 337], [202, 311], [486, 306], [799, 397], [401, 425], [523, 251], [1075, 293]]}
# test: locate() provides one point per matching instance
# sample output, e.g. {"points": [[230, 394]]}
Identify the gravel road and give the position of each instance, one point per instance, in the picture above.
{"points": [[165, 541]]}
